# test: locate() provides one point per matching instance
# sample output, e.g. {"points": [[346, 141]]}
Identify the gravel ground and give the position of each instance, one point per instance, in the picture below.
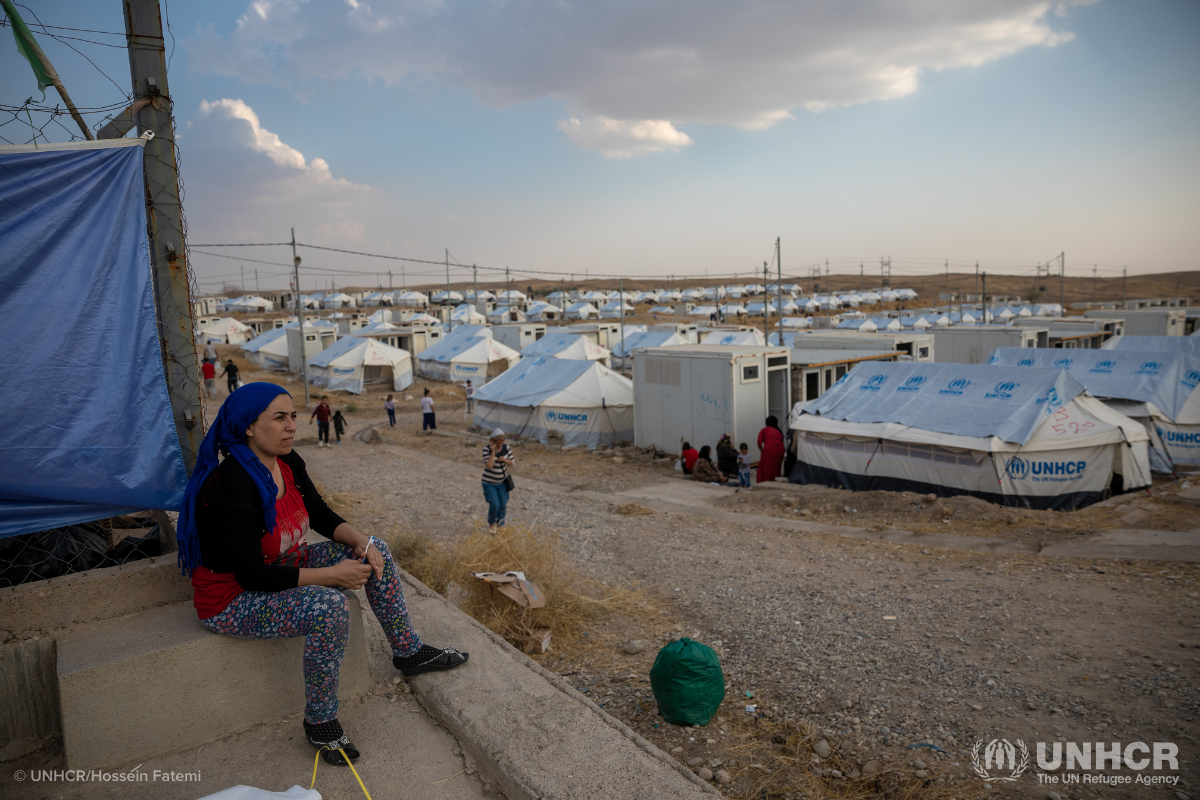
{"points": [[980, 647]]}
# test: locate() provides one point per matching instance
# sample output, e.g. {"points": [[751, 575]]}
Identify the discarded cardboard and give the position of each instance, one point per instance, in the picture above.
{"points": [[538, 642], [515, 587]]}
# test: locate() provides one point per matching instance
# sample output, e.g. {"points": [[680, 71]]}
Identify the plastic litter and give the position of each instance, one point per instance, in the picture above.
{"points": [[687, 682], [925, 744], [250, 793]]}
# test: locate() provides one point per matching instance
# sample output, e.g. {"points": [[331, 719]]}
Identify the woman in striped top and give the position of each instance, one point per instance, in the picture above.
{"points": [[497, 458]]}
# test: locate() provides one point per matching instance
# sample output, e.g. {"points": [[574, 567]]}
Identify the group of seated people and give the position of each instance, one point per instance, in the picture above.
{"points": [[737, 463]]}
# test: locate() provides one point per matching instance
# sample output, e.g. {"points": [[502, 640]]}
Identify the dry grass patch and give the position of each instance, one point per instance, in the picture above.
{"points": [[575, 601]]}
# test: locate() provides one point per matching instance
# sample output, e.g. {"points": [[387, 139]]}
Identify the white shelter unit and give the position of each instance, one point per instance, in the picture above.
{"points": [[1017, 437], [226, 330], [703, 311], [815, 372], [689, 331], [974, 344], [478, 359], [1158, 389], [410, 299], [249, 303], [467, 315], [318, 335], [743, 338], [918, 346], [662, 310], [505, 314], [581, 311], [358, 360], [1155, 344], [583, 401], [338, 300], [642, 340], [542, 312], [613, 309], [520, 335], [444, 297], [698, 393], [268, 350], [1147, 321], [573, 346]]}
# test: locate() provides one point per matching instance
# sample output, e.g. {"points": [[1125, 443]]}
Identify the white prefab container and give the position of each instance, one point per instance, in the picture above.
{"points": [[316, 340], [920, 346], [689, 332], [697, 393], [974, 344], [518, 336], [1147, 321]]}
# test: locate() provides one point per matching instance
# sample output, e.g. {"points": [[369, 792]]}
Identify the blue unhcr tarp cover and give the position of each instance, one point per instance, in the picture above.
{"points": [[1166, 379], [960, 399], [89, 432]]}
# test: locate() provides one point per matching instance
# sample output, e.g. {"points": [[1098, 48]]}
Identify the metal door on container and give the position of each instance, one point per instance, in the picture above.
{"points": [[712, 402], [778, 395], [749, 398]]}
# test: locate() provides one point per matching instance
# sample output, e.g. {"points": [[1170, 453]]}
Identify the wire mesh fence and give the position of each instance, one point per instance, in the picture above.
{"points": [[79, 548]]}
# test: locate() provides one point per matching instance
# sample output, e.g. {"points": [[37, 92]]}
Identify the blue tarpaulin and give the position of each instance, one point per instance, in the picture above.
{"points": [[960, 399], [88, 430]]}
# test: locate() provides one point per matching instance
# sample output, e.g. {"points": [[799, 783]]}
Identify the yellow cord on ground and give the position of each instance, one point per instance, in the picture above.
{"points": [[317, 761]]}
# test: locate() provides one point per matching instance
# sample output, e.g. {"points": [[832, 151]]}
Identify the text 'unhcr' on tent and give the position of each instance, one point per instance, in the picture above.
{"points": [[478, 359], [351, 362], [583, 401], [1156, 388], [1019, 437]]}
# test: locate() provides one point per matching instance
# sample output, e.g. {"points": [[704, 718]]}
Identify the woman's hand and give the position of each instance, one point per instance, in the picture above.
{"points": [[374, 557], [349, 574]]}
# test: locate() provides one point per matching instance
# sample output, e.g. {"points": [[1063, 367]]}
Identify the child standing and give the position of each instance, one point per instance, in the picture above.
{"points": [[744, 465], [429, 421], [390, 405], [339, 425]]}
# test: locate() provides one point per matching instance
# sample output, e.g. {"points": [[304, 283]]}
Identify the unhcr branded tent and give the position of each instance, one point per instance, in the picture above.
{"points": [[337, 300], [566, 345], [225, 331], [268, 350], [350, 363], [1158, 389], [1018, 437], [468, 316], [751, 338], [581, 311], [1155, 344], [461, 358], [583, 401], [641, 340]]}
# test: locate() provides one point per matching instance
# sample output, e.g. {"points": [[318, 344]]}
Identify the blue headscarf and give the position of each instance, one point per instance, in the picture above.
{"points": [[228, 432]]}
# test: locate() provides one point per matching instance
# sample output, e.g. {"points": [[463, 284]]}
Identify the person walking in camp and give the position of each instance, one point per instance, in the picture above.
{"points": [[770, 445], [210, 379], [322, 414], [389, 406], [727, 457], [497, 458], [230, 371], [470, 391], [428, 419], [339, 425], [242, 540], [210, 353]]}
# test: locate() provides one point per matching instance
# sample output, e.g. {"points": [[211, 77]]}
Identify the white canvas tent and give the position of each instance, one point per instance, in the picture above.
{"points": [[612, 310], [1157, 389], [1018, 437], [583, 401], [338, 300], [268, 350], [226, 330], [642, 339], [353, 361], [466, 315], [751, 338], [410, 299], [581, 311], [566, 345], [478, 359]]}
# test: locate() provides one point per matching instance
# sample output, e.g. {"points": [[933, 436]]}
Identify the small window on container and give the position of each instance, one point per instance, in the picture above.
{"points": [[923, 352], [750, 373]]}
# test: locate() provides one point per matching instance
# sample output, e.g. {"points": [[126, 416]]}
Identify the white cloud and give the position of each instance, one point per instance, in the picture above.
{"points": [[746, 63], [616, 138]]}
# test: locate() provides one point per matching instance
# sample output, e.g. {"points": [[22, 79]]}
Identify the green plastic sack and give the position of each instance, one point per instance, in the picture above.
{"points": [[687, 682]]}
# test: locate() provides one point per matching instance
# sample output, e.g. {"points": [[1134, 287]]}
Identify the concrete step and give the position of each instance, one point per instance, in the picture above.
{"points": [[158, 681]]}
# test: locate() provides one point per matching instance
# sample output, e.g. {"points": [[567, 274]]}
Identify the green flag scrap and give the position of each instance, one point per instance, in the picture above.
{"points": [[27, 46]]}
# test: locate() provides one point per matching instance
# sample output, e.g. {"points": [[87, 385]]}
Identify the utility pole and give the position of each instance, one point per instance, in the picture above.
{"points": [[256, 289], [300, 319], [508, 291], [242, 271], [475, 273], [1124, 277], [164, 223], [779, 276], [389, 280], [1094, 283], [976, 278], [621, 300], [766, 301], [1062, 271], [984, 298], [447, 273], [861, 278], [947, 280]]}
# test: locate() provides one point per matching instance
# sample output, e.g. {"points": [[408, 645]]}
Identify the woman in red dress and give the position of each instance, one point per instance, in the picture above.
{"points": [[770, 444]]}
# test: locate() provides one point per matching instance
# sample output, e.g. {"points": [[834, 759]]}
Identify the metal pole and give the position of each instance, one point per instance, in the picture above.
{"points": [[766, 301], [475, 272], [1124, 277], [447, 273], [1062, 271], [621, 300], [984, 298], [164, 224], [300, 318], [779, 276]]}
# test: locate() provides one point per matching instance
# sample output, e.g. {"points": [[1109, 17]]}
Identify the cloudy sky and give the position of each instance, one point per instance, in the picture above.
{"points": [[668, 137]]}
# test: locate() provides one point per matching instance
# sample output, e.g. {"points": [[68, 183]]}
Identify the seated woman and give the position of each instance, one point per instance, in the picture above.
{"points": [[689, 457], [727, 456], [703, 470], [242, 535]]}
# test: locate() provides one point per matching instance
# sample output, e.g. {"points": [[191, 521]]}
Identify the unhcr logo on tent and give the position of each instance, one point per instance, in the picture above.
{"points": [[1192, 379], [343, 371], [1052, 400], [565, 418], [1063, 363], [1179, 437], [1025, 362], [913, 384], [956, 387], [1149, 368], [1003, 390], [1105, 367], [1045, 471], [874, 383]]}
